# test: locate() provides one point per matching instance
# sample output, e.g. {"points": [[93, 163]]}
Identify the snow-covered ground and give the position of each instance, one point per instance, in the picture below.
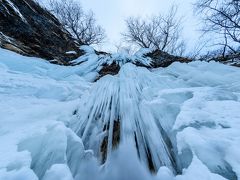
{"points": [[182, 122]]}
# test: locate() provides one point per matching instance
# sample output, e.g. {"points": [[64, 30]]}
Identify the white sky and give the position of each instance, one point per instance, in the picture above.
{"points": [[111, 15]]}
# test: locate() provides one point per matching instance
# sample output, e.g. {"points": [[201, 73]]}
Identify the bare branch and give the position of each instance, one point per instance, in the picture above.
{"points": [[222, 17], [80, 24], [159, 32]]}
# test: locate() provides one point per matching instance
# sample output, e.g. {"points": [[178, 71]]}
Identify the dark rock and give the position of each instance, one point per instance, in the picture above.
{"points": [[27, 28], [158, 57], [229, 59], [163, 59], [102, 53], [115, 139], [111, 69]]}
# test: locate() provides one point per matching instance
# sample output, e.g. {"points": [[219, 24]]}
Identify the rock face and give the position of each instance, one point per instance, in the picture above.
{"points": [[230, 59], [111, 69], [27, 28], [163, 59]]}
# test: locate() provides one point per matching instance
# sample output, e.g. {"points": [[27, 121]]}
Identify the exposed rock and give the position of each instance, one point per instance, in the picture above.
{"points": [[111, 69], [163, 59], [102, 53], [115, 139], [157, 58], [230, 59], [27, 28]]}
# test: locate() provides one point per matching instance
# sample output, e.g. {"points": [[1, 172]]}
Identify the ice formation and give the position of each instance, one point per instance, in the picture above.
{"points": [[176, 123]]}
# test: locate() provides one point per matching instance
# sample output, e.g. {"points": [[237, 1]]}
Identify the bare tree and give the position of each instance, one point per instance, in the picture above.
{"points": [[222, 17], [80, 24], [159, 32]]}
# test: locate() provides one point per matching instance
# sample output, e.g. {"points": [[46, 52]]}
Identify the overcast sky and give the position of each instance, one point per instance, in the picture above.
{"points": [[112, 13]]}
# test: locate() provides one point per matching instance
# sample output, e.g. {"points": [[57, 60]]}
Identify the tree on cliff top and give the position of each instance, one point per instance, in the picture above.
{"points": [[81, 25], [158, 32]]}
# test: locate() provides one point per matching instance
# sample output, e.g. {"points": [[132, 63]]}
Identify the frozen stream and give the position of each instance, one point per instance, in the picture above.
{"points": [[116, 110], [176, 123]]}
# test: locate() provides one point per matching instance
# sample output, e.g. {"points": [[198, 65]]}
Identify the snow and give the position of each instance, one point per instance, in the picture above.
{"points": [[71, 52], [143, 51], [23, 173], [92, 57], [58, 171], [37, 101], [183, 121], [87, 49], [199, 171]]}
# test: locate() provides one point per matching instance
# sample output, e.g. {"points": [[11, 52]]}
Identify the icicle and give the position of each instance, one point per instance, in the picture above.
{"points": [[114, 107]]}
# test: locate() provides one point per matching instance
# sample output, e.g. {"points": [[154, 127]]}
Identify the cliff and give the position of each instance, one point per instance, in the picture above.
{"points": [[27, 28]]}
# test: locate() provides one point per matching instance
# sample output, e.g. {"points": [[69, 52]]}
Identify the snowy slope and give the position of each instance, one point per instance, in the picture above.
{"points": [[176, 123]]}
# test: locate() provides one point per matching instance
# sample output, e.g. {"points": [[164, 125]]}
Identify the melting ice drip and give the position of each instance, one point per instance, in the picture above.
{"points": [[113, 113]]}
